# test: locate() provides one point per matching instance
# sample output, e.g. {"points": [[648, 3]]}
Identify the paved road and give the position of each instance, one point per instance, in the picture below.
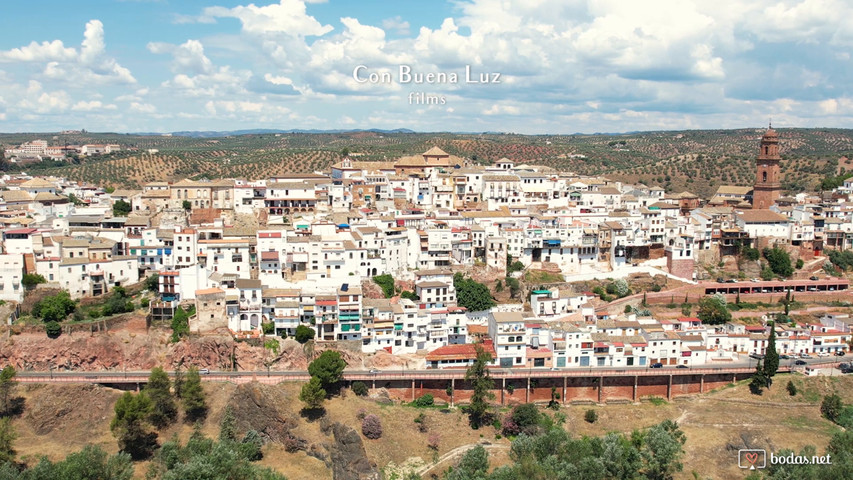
{"points": [[273, 377]]}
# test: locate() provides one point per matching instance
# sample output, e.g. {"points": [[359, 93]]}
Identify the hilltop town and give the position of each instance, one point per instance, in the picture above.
{"points": [[428, 254]]}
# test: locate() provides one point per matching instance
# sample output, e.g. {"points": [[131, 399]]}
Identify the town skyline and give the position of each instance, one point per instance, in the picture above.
{"points": [[552, 68]]}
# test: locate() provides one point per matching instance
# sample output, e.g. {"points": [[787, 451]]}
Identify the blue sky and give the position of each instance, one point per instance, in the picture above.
{"points": [[556, 66]]}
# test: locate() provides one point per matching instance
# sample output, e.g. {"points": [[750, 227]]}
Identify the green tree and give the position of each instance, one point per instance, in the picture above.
{"points": [[526, 415], [202, 458], [121, 208], [359, 388], [831, 407], [152, 282], [7, 440], [180, 324], [779, 261], [130, 425], [514, 287], [30, 280], [471, 294], [482, 385], [228, 426], [187, 205], [54, 308], [771, 357], [473, 465], [7, 383], [386, 282], [751, 254], [792, 389], [193, 397], [758, 381], [713, 311], [622, 289], [91, 463], [304, 333], [328, 368], [164, 411], [179, 381], [312, 394], [767, 274], [662, 451], [409, 295]]}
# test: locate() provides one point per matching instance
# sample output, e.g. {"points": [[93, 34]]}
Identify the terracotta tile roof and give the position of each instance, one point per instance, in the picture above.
{"points": [[465, 351]]}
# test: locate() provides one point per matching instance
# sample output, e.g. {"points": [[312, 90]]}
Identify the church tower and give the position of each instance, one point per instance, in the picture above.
{"points": [[768, 176]]}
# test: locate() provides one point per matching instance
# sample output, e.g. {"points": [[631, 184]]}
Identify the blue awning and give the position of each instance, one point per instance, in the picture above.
{"points": [[343, 225]]}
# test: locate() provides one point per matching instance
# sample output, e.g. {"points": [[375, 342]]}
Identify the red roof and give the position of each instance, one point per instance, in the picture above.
{"points": [[465, 351], [688, 319], [269, 255], [269, 234], [25, 231]]}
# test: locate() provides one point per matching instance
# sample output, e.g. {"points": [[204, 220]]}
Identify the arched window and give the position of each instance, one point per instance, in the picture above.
{"points": [[764, 176], [766, 150]]}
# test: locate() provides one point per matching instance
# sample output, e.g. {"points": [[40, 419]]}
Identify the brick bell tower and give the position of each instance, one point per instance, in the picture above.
{"points": [[768, 175]]}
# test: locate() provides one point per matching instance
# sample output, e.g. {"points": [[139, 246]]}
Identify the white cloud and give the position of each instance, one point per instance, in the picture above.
{"points": [[93, 105], [39, 52], [142, 107], [396, 24], [188, 57], [88, 65], [287, 17]]}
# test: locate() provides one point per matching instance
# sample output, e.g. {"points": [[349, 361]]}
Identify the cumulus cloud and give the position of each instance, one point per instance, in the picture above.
{"points": [[397, 25], [287, 17], [89, 64], [93, 105]]}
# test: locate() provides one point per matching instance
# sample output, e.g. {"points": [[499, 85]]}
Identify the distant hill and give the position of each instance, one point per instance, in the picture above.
{"points": [[262, 131], [695, 160]]}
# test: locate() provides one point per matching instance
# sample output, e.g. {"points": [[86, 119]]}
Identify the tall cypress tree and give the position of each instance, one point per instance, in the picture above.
{"points": [[771, 357], [164, 410], [192, 397]]}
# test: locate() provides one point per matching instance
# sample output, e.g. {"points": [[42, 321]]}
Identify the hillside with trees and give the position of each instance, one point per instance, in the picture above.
{"points": [[694, 160]]}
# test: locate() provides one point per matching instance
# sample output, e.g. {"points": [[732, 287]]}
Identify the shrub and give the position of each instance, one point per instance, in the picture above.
{"points": [[590, 416], [421, 420], [831, 407], [30, 280], [656, 288], [800, 263], [526, 415], [303, 333], [359, 388], [268, 328], [144, 303], [509, 427], [628, 309], [53, 329], [424, 401], [792, 389], [386, 282], [371, 427], [432, 441], [361, 414], [751, 254]]}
